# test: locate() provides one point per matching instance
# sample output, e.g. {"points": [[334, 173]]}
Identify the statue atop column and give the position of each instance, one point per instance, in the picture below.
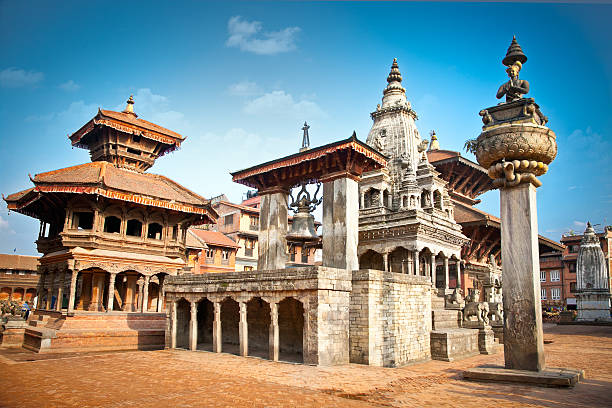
{"points": [[515, 88]]}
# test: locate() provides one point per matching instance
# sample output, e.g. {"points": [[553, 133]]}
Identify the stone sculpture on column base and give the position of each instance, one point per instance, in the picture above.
{"points": [[516, 147]]}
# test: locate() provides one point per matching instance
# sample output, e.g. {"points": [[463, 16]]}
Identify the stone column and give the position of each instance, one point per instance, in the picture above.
{"points": [[243, 330], [97, 291], [273, 344], [193, 327], [446, 273], [60, 291], [217, 339], [51, 290], [72, 295], [160, 295], [458, 263], [523, 337], [145, 294], [272, 238], [433, 270], [173, 327], [139, 299], [111, 292], [416, 262], [340, 223], [40, 290], [386, 261]]}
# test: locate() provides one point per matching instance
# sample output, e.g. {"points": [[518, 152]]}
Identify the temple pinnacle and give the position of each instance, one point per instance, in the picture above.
{"points": [[129, 108], [394, 75], [514, 53], [305, 138], [434, 144]]}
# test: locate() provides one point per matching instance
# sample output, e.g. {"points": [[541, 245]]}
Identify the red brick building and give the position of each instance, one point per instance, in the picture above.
{"points": [[552, 279], [210, 251], [18, 277]]}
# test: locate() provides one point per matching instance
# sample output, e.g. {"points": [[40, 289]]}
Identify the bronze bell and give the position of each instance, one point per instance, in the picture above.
{"points": [[303, 226]]}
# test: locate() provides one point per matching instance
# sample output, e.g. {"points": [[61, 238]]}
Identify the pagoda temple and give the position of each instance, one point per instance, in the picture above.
{"points": [[110, 233]]}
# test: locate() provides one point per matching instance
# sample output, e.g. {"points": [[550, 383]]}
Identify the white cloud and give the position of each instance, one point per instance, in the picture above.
{"points": [[16, 77], [591, 142], [579, 224], [244, 88], [70, 86], [283, 104], [570, 188], [156, 108], [248, 36], [5, 227], [78, 111]]}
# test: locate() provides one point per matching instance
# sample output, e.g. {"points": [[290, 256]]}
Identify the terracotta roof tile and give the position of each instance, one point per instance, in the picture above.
{"points": [[214, 238], [18, 262], [128, 118]]}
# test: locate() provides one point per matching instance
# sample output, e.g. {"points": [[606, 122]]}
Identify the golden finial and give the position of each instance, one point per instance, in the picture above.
{"points": [[130, 106], [434, 144]]}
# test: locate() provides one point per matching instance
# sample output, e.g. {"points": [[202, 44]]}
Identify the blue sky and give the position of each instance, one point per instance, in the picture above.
{"points": [[240, 78]]}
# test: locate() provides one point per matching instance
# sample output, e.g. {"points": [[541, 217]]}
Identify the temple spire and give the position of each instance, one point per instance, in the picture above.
{"points": [[394, 75], [129, 108], [305, 138], [434, 144]]}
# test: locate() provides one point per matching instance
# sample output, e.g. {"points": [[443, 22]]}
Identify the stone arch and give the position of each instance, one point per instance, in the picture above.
{"points": [[30, 294], [437, 198], [291, 330], [425, 199], [18, 294], [454, 272], [440, 272], [371, 260], [205, 317], [230, 332], [399, 260], [405, 201], [371, 197], [183, 320], [386, 196], [424, 262], [5, 293], [258, 322]]}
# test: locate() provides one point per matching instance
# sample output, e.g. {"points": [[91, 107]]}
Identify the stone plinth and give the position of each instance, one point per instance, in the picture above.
{"points": [[593, 306], [551, 377], [389, 318], [523, 337], [12, 333], [453, 344]]}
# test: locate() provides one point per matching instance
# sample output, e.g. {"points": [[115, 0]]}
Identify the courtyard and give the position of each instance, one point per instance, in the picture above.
{"points": [[204, 379]]}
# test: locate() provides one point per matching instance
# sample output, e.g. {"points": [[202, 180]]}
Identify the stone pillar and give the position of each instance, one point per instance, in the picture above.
{"points": [[139, 298], [86, 284], [386, 261], [458, 263], [217, 339], [446, 273], [272, 238], [51, 290], [243, 330], [433, 270], [416, 262], [523, 337], [97, 291], [130, 293], [145, 294], [340, 223], [60, 291], [173, 327], [111, 292], [273, 338], [160, 295], [193, 327], [40, 290], [72, 295]]}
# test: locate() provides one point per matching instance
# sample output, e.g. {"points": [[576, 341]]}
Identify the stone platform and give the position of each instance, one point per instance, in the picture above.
{"points": [[550, 377], [51, 331], [12, 332]]}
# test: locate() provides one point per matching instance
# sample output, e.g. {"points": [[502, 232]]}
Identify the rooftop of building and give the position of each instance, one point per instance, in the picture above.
{"points": [[105, 179], [213, 238], [18, 262]]}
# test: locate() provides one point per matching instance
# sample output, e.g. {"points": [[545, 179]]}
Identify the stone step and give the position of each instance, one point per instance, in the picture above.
{"points": [[446, 319]]}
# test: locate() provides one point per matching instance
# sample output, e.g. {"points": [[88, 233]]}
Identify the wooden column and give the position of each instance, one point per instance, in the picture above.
{"points": [[60, 290]]}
